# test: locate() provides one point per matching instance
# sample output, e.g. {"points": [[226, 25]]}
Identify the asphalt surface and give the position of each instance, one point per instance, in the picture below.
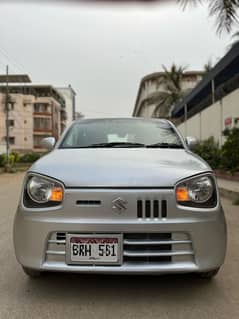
{"points": [[84, 296]]}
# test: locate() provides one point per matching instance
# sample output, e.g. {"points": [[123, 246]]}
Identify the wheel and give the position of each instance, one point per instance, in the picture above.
{"points": [[31, 272], [209, 274]]}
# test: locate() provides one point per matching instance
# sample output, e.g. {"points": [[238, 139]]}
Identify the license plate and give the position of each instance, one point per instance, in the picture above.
{"points": [[94, 249]]}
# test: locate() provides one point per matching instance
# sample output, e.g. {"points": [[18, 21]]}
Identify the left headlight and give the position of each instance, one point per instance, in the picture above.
{"points": [[42, 192], [197, 192]]}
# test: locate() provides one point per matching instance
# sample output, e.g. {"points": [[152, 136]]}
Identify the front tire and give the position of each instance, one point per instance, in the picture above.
{"points": [[209, 274], [31, 272]]}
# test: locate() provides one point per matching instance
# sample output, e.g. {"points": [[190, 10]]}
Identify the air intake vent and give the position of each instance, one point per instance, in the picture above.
{"points": [[151, 209], [164, 208], [60, 236], [88, 202]]}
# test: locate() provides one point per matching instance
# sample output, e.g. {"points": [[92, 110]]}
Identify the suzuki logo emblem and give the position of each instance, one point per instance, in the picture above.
{"points": [[119, 204]]}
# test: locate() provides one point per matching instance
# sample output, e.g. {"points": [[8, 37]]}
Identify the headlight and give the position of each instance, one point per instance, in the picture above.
{"points": [[198, 192], [42, 191]]}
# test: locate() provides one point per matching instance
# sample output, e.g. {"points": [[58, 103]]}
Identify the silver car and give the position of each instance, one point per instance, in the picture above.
{"points": [[123, 196]]}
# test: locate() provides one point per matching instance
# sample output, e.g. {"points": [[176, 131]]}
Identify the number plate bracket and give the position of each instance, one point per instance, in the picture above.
{"points": [[91, 238]]}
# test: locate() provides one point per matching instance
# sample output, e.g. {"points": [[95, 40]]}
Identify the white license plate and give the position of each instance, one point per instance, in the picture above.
{"points": [[94, 249]]}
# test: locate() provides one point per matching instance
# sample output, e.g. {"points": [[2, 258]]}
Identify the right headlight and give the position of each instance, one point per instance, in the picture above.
{"points": [[199, 191]]}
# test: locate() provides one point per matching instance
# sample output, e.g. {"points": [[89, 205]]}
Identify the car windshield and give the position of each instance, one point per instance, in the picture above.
{"points": [[121, 133]]}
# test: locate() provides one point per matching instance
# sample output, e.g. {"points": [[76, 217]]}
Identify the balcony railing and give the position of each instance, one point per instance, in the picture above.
{"points": [[42, 113]]}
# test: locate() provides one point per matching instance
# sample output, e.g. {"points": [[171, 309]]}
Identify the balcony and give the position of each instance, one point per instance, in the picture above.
{"points": [[63, 115], [43, 114], [42, 131], [42, 126]]}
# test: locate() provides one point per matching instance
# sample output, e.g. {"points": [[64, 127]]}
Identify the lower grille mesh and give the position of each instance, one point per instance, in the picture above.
{"points": [[147, 247], [154, 247], [138, 248]]}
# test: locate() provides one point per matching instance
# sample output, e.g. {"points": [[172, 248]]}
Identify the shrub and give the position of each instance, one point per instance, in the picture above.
{"points": [[29, 157], [209, 150], [230, 150], [15, 157], [3, 160]]}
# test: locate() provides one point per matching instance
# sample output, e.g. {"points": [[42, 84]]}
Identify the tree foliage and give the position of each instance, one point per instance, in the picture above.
{"points": [[171, 93], [230, 150], [225, 12], [209, 150], [226, 157]]}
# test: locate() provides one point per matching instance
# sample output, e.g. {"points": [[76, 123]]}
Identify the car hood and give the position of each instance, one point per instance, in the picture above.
{"points": [[120, 167]]}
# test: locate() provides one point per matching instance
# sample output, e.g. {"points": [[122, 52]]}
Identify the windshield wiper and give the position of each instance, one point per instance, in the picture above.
{"points": [[114, 144], [164, 145]]}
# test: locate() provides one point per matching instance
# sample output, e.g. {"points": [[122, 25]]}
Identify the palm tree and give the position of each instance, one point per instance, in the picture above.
{"points": [[224, 10], [235, 37], [171, 90], [208, 66]]}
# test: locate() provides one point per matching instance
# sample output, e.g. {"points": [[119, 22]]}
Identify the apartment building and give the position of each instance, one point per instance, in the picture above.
{"points": [[35, 112], [146, 104], [70, 106]]}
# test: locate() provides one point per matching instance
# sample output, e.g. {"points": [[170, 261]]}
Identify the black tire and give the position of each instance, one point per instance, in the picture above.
{"points": [[31, 272], [209, 274]]}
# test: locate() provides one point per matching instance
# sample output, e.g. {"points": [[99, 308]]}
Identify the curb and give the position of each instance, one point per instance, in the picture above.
{"points": [[228, 194]]}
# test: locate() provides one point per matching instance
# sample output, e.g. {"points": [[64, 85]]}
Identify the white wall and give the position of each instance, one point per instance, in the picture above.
{"points": [[68, 96], [211, 121]]}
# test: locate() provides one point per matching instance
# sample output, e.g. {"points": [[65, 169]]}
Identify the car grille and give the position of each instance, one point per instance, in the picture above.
{"points": [[154, 247], [138, 248], [151, 209]]}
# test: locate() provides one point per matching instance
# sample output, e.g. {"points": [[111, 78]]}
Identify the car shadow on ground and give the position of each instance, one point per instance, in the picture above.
{"points": [[166, 288]]}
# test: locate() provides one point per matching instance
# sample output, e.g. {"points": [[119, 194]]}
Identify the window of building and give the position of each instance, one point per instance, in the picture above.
{"points": [[37, 140], [41, 107], [11, 139], [42, 124], [11, 123]]}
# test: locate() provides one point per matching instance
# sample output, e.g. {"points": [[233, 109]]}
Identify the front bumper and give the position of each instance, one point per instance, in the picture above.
{"points": [[196, 238]]}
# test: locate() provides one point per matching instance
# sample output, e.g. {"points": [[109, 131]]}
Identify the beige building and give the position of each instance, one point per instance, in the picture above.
{"points": [[145, 104], [35, 112], [213, 105], [70, 105]]}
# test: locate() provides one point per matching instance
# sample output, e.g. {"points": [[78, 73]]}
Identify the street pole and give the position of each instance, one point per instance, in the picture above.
{"points": [[213, 90], [185, 119], [7, 116]]}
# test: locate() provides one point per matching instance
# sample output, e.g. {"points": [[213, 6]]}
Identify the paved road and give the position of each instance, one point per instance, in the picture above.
{"points": [[111, 297]]}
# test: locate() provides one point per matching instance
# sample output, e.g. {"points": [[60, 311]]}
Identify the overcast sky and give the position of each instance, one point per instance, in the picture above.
{"points": [[104, 51]]}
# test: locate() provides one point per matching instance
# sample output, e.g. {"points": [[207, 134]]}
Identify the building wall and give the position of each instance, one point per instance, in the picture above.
{"points": [[214, 119], [50, 118], [26, 132], [21, 114]]}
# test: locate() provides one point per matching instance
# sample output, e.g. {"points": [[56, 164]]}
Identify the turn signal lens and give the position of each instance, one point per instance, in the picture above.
{"points": [[182, 194], [56, 194]]}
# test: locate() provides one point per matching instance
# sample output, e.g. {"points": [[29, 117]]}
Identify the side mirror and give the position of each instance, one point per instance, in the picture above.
{"points": [[48, 142], [191, 142]]}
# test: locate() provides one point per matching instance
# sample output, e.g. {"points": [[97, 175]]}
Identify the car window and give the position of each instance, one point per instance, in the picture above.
{"points": [[88, 133]]}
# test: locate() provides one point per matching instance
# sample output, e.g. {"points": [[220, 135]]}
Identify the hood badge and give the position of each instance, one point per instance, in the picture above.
{"points": [[119, 204]]}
